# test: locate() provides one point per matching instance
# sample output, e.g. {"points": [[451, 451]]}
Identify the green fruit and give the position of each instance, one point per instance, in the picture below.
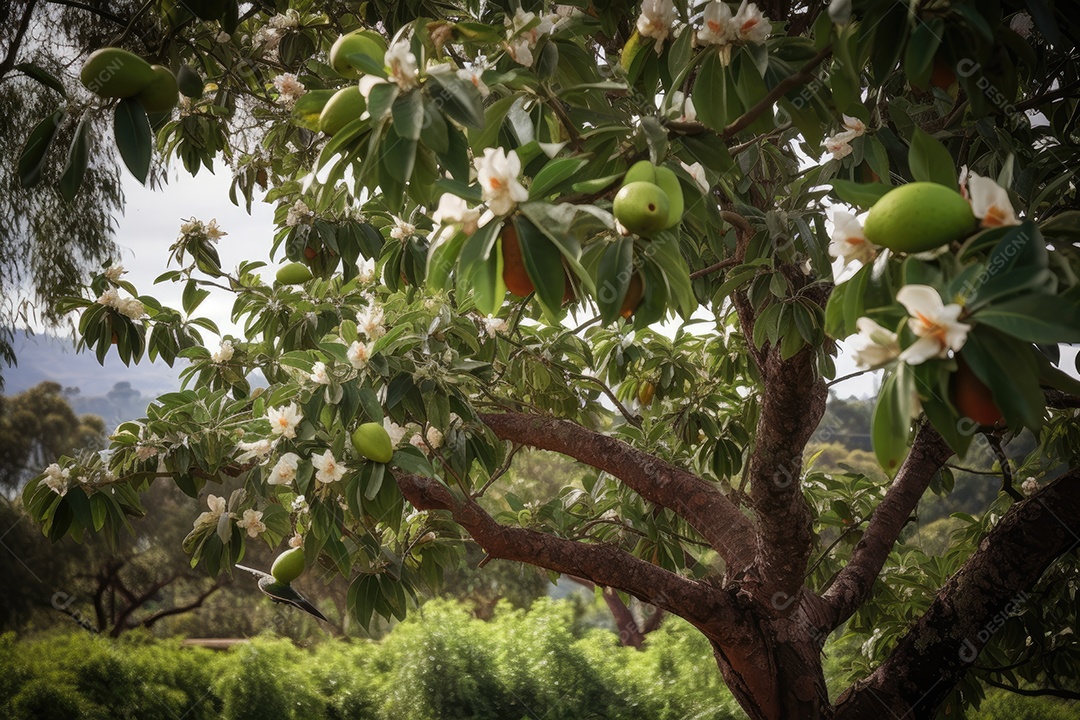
{"points": [[358, 42], [642, 208], [294, 274], [373, 442], [641, 171], [115, 73], [345, 106], [288, 566], [189, 82], [917, 217], [162, 94], [668, 181]]}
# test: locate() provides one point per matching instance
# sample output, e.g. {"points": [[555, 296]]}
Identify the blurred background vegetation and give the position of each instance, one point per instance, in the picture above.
{"points": [[99, 631]]}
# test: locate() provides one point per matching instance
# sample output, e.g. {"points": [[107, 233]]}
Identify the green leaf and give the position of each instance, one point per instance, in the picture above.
{"points": [[710, 94], [861, 195], [309, 107], [930, 161], [613, 277], [1008, 367], [664, 250], [42, 76], [1036, 318], [480, 269], [32, 159], [555, 173], [891, 423], [459, 99], [544, 265], [922, 45], [133, 137], [78, 156], [408, 115]]}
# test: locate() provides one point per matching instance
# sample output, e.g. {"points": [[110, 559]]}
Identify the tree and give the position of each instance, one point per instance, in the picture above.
{"points": [[484, 152], [37, 426]]}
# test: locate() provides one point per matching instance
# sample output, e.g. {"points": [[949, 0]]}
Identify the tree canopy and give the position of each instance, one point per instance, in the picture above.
{"points": [[630, 234]]}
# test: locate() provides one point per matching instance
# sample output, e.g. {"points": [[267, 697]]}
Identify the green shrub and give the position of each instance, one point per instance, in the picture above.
{"points": [[267, 678], [1004, 705]]}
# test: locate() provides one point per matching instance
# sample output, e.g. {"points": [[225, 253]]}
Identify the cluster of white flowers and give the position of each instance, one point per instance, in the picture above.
{"points": [[839, 145], [402, 229], [327, 469], [1030, 486], [56, 478], [656, 19], [251, 520], [498, 170], [289, 89], [401, 62], [130, 307], [224, 353], [283, 421], [193, 230], [288, 20], [523, 42], [113, 273], [395, 431], [726, 30], [298, 213], [935, 324]]}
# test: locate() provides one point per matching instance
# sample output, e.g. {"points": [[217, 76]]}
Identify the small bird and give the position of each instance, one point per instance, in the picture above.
{"points": [[281, 592]]}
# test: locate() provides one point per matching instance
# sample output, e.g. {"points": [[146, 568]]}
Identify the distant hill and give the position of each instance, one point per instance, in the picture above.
{"points": [[114, 391]]}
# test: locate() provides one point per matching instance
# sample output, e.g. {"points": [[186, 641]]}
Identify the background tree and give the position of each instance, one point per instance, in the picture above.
{"points": [[485, 133]]}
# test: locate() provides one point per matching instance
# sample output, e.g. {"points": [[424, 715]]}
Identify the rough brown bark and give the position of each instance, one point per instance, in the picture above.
{"points": [[702, 505], [942, 645]]}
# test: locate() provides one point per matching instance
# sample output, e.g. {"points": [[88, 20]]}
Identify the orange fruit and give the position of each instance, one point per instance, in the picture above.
{"points": [[971, 396]]}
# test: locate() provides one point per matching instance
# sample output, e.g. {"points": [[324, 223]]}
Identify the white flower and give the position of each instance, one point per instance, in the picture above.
{"points": [[213, 232], [402, 229], [434, 437], [284, 471], [299, 505], [680, 107], [290, 19], [750, 25], [258, 449], [934, 322], [298, 213], [395, 431], [57, 479], [498, 171], [224, 353], [990, 202], [848, 240], [223, 37], [328, 469], [113, 273], [283, 421], [854, 126], [837, 146], [359, 353], [454, 210], [217, 507], [874, 346], [716, 28], [1021, 24], [370, 322], [523, 43], [493, 325], [1030, 486], [474, 75], [296, 541], [655, 20], [289, 89], [110, 298], [366, 270], [402, 65], [252, 522], [417, 441], [697, 171], [318, 374], [132, 308], [191, 227]]}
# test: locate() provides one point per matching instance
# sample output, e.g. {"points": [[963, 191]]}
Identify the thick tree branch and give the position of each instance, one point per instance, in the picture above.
{"points": [[792, 404], [1034, 692], [852, 586], [805, 73], [944, 643], [702, 505], [712, 610], [180, 609]]}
